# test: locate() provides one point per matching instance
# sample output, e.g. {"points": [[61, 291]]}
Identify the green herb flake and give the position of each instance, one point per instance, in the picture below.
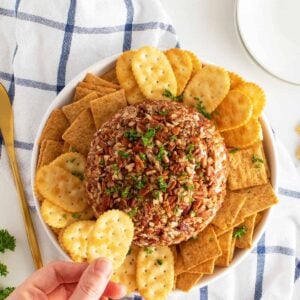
{"points": [[162, 184], [147, 137], [64, 216], [168, 94], [129, 252], [149, 250], [123, 154], [4, 293], [163, 112], [139, 184], [189, 151], [173, 138], [72, 160], [73, 149], [239, 231], [155, 194], [125, 193], [159, 262], [142, 156], [78, 175], [133, 212], [132, 135], [102, 162], [234, 150], [201, 108], [76, 215], [192, 214], [256, 160], [162, 152], [3, 270], [7, 241], [115, 167]]}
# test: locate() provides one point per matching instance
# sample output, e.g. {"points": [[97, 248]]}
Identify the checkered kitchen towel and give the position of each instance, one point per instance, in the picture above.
{"points": [[43, 44]]}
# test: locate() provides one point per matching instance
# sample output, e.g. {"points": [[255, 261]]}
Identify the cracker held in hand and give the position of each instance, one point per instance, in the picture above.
{"points": [[126, 78], [233, 112], [153, 73], [210, 85], [256, 95], [244, 136], [111, 237], [126, 273], [75, 239], [182, 67], [61, 188], [155, 272]]}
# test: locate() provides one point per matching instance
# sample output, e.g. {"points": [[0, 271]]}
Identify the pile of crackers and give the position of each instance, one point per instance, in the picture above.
{"points": [[234, 106]]}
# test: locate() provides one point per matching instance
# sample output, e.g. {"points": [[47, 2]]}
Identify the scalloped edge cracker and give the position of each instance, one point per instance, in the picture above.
{"points": [[111, 237], [107, 106], [247, 168], [81, 132], [55, 126], [245, 241], [233, 112], [235, 80], [196, 63], [75, 239], [61, 188], [225, 241], [49, 151], [210, 85], [182, 67], [93, 79], [155, 273], [244, 136], [153, 73]]}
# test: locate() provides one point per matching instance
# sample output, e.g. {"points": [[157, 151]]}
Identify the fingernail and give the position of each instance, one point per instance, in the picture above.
{"points": [[103, 266]]}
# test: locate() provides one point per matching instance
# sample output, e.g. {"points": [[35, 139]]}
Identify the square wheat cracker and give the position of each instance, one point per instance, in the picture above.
{"points": [[225, 243], [179, 265], [55, 126], [245, 241], [81, 132], [97, 88], [110, 75], [226, 215], [105, 107], [90, 78], [49, 151], [200, 249], [186, 281], [247, 168], [204, 268]]}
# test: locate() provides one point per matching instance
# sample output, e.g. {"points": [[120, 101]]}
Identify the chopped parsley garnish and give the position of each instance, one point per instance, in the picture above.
{"points": [[147, 137], [132, 135], [234, 150], [189, 151], [161, 153], [162, 184], [125, 193], [78, 175], [76, 215], [159, 262], [177, 211], [192, 214], [129, 252], [73, 149], [133, 212], [168, 94], [123, 154], [72, 159], [111, 190], [155, 194], [257, 160], [7, 241], [3, 270], [163, 112], [149, 250], [139, 184], [239, 231], [201, 108], [173, 138], [197, 165], [4, 293], [188, 187], [142, 156], [115, 167], [102, 162]]}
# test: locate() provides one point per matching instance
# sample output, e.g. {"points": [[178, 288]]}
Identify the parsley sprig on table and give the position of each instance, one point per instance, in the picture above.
{"points": [[3, 270], [7, 241]]}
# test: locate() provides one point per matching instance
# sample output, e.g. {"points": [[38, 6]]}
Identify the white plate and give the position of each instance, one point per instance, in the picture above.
{"points": [[65, 97], [270, 30]]}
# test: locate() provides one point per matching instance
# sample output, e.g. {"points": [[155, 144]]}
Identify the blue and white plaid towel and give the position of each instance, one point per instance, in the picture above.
{"points": [[46, 43]]}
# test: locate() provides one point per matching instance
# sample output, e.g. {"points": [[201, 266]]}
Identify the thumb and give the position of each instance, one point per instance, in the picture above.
{"points": [[93, 281]]}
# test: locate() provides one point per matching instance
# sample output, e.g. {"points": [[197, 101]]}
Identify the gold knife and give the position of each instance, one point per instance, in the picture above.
{"points": [[7, 129]]}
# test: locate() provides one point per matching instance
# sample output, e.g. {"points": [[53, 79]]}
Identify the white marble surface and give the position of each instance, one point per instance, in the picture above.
{"points": [[207, 28]]}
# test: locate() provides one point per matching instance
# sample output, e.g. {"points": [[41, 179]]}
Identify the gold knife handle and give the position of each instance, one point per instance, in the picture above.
{"points": [[33, 243]]}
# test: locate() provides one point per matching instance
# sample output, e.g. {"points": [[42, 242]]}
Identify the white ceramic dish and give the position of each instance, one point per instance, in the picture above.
{"points": [[99, 68], [270, 31]]}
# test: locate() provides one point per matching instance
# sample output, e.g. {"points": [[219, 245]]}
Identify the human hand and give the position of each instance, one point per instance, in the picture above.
{"points": [[75, 281]]}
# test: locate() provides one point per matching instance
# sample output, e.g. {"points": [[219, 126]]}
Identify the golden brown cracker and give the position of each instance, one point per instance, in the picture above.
{"points": [[235, 80], [247, 168], [126, 78], [153, 73], [229, 210], [245, 241], [186, 281], [225, 243], [232, 249], [110, 75], [55, 126], [107, 106], [197, 65], [74, 109], [200, 249], [244, 136], [179, 265], [81, 132], [61, 188], [210, 85], [93, 79], [49, 151], [233, 112], [258, 218], [155, 273], [182, 67], [100, 90], [204, 268]]}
